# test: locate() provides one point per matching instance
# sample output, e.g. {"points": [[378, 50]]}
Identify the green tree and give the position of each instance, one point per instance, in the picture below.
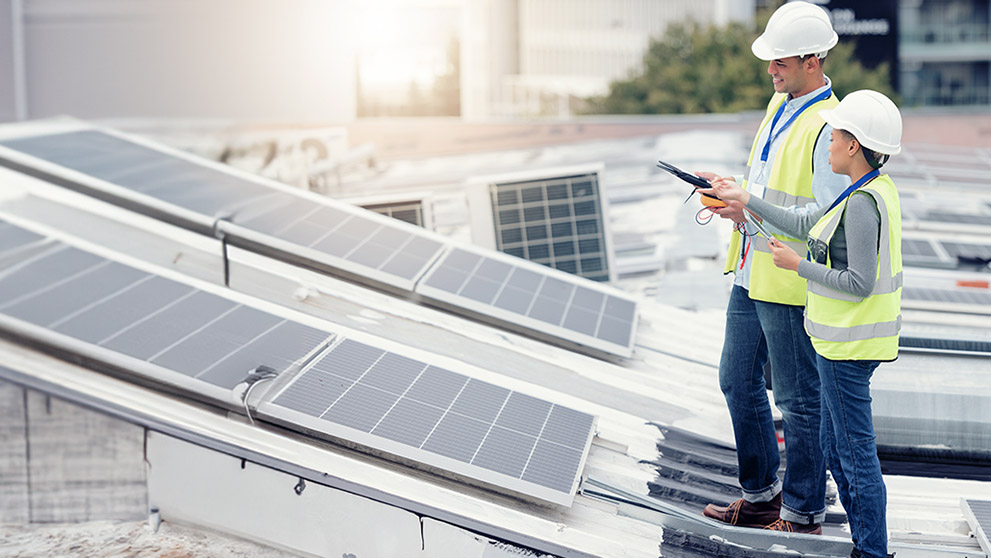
{"points": [[697, 68]]}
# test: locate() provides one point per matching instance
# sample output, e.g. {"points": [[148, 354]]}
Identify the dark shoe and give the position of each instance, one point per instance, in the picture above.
{"points": [[746, 514], [789, 527], [856, 554]]}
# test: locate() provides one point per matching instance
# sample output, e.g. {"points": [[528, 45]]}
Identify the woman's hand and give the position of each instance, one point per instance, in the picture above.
{"points": [[784, 257], [727, 190]]}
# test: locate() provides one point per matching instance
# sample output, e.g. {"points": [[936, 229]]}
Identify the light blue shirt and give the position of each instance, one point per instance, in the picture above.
{"points": [[826, 185]]}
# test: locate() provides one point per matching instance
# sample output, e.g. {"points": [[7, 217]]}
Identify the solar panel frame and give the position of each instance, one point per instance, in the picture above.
{"points": [[978, 515], [443, 408]]}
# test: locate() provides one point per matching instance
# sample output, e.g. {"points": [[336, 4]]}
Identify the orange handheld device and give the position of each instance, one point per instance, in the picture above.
{"points": [[711, 201]]}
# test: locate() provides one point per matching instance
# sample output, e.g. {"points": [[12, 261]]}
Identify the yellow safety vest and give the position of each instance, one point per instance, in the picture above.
{"points": [[847, 327], [790, 183]]}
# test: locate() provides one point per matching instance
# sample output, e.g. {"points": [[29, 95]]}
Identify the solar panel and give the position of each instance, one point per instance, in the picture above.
{"points": [[978, 515], [439, 419], [193, 339], [962, 296], [967, 250], [921, 248], [500, 286], [118, 318], [958, 218], [410, 212], [328, 236], [196, 193], [926, 253], [555, 221], [943, 344], [13, 238]]}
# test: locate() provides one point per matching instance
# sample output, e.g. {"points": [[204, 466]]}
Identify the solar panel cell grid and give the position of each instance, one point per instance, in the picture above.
{"points": [[918, 248], [548, 299], [12, 237], [437, 411], [558, 209], [131, 312]]}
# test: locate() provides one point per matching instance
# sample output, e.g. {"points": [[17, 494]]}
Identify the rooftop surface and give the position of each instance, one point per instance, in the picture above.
{"points": [[662, 445]]}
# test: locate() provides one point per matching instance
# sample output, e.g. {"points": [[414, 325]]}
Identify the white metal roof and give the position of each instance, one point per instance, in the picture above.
{"points": [[671, 379]]}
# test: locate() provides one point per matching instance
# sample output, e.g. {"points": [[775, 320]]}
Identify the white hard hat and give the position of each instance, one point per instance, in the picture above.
{"points": [[871, 117], [795, 29]]}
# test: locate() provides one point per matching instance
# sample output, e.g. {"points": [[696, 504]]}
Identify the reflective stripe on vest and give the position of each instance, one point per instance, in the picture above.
{"points": [[789, 184], [786, 200], [846, 327], [854, 333]]}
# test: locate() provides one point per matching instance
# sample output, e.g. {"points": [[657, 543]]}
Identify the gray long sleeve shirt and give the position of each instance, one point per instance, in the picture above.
{"points": [[852, 250]]}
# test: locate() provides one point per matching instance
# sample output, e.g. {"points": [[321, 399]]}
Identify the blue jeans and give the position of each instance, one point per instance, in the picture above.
{"points": [[851, 453], [755, 333]]}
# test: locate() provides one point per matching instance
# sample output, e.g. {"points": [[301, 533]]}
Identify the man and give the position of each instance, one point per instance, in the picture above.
{"points": [[789, 167]]}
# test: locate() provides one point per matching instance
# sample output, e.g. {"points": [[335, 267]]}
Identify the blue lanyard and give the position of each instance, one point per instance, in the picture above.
{"points": [[863, 180], [781, 109]]}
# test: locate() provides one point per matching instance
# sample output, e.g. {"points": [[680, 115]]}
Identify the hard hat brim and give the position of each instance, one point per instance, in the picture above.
{"points": [[764, 50], [841, 124]]}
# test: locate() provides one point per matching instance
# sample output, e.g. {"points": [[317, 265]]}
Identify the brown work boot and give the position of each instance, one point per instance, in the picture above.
{"points": [[746, 514], [789, 527]]}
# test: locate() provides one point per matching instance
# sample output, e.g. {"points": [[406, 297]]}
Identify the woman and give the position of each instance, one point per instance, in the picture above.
{"points": [[853, 303]]}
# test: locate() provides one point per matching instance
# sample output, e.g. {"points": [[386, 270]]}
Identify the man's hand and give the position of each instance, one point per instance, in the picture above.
{"points": [[733, 211], [784, 257]]}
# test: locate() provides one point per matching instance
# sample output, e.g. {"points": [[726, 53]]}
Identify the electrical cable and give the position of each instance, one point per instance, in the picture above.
{"points": [[704, 219], [258, 375]]}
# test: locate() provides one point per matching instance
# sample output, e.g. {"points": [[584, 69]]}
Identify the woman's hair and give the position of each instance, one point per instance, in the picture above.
{"points": [[874, 159]]}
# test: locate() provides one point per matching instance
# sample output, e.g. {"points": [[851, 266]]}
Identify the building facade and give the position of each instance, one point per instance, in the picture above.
{"points": [[945, 52]]}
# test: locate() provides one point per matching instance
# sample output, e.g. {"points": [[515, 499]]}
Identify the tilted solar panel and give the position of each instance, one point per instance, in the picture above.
{"points": [[439, 419], [975, 297], [117, 318], [318, 233], [521, 293], [190, 338], [208, 197], [12, 238]]}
